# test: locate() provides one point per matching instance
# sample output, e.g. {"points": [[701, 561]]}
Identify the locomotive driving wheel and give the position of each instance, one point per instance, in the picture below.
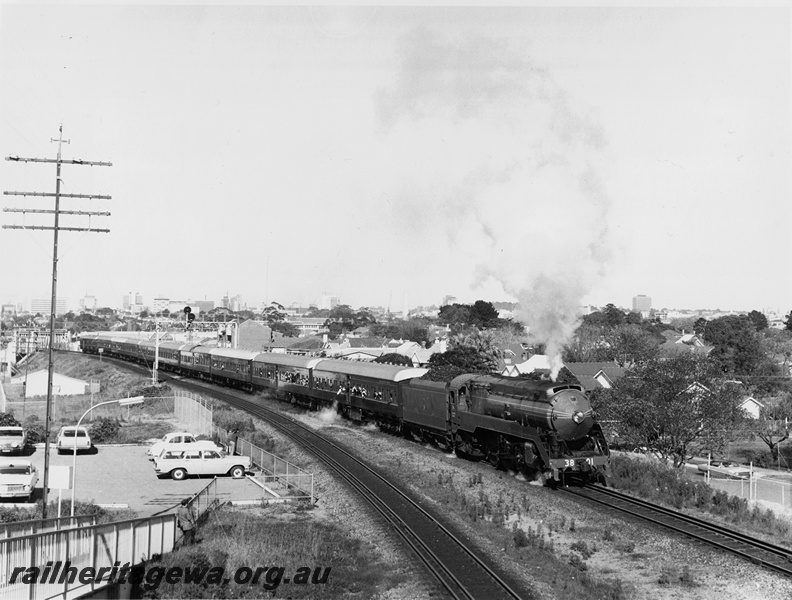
{"points": [[493, 458]]}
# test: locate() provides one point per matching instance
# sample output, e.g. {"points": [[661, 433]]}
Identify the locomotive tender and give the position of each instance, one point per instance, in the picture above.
{"points": [[539, 428]]}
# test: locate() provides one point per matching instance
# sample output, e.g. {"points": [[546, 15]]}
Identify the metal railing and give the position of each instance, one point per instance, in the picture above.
{"points": [[67, 552], [22, 528], [275, 469]]}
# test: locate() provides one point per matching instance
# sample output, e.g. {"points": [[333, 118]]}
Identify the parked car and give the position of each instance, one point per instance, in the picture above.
{"points": [[13, 439], [17, 479], [179, 463], [725, 469], [176, 449], [73, 439], [174, 437]]}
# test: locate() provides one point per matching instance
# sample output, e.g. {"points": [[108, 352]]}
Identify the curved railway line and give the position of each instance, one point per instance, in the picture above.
{"points": [[773, 557], [461, 571]]}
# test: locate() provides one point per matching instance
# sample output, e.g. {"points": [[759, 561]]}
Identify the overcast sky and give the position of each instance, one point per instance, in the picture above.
{"points": [[558, 156]]}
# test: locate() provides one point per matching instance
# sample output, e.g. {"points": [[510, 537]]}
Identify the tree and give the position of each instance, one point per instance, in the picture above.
{"points": [[677, 406], [772, 425], [392, 358], [788, 322], [700, 326], [735, 344], [758, 319], [483, 315], [482, 342], [444, 366], [454, 314], [285, 329]]}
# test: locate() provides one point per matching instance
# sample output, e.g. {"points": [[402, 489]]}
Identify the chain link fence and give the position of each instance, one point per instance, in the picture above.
{"points": [[193, 410]]}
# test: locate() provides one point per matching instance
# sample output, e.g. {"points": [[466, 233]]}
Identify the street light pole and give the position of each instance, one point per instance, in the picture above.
{"points": [[121, 402]]}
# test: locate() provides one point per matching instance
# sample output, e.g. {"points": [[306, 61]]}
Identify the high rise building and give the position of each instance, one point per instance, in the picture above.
{"points": [[160, 304], [642, 304], [43, 306], [88, 303], [328, 302]]}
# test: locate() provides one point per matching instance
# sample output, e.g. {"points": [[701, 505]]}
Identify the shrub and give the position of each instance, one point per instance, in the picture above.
{"points": [[105, 429], [7, 419], [581, 547], [35, 429]]}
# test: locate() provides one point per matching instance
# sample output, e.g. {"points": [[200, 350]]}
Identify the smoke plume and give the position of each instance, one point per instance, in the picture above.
{"points": [[501, 162]]}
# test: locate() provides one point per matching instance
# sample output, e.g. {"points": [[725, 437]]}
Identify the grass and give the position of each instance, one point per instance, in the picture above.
{"points": [[236, 540], [534, 548], [657, 482]]}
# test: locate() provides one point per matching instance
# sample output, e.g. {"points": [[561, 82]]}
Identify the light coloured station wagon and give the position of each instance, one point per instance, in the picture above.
{"points": [[181, 463]]}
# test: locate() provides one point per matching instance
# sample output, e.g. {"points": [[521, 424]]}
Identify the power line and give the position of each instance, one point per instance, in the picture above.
{"points": [[56, 228]]}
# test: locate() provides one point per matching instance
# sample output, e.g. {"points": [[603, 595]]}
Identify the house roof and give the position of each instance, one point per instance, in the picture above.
{"points": [[751, 400], [366, 342], [307, 343], [588, 373]]}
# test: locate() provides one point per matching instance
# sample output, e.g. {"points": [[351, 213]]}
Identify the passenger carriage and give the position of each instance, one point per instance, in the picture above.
{"points": [[232, 366], [365, 389], [284, 372], [196, 360]]}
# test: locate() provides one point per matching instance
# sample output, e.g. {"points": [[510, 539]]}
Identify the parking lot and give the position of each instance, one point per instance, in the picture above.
{"points": [[123, 475]]}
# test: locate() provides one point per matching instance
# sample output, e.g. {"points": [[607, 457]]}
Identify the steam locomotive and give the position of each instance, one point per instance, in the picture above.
{"points": [[540, 428]]}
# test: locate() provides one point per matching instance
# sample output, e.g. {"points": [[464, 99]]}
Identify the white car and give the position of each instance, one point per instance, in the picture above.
{"points": [[179, 463], [73, 439], [174, 437], [12, 439], [17, 479], [725, 469]]}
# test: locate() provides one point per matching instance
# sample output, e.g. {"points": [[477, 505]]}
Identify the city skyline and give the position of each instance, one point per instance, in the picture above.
{"points": [[151, 304], [394, 155]]}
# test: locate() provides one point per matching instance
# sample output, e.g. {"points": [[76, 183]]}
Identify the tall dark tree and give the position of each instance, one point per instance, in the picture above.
{"points": [[392, 358], [736, 344], [444, 366], [758, 319], [454, 314], [700, 326], [788, 322], [483, 315]]}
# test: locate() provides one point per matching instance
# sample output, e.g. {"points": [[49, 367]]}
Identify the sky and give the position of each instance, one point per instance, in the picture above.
{"points": [[390, 156]]}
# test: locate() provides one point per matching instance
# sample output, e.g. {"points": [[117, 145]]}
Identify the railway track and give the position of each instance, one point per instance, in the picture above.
{"points": [[462, 572], [770, 556]]}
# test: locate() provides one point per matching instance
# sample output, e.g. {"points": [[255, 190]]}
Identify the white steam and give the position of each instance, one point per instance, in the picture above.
{"points": [[487, 149]]}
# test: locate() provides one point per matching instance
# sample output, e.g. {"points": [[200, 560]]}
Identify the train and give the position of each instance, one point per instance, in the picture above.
{"points": [[543, 429]]}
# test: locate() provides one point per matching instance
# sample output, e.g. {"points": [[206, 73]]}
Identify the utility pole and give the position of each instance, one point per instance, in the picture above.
{"points": [[56, 228]]}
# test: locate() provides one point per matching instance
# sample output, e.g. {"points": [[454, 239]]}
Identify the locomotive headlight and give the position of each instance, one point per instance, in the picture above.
{"points": [[578, 417]]}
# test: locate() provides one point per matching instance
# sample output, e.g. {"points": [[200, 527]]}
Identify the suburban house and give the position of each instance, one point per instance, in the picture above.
{"points": [[594, 375], [752, 406], [687, 342], [537, 362]]}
